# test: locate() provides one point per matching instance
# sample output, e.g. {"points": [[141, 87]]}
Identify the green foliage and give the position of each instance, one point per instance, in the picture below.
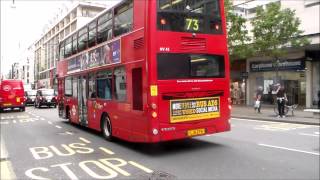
{"points": [[274, 29], [237, 34]]}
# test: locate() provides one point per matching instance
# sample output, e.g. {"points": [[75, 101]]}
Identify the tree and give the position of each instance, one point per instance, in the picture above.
{"points": [[274, 29], [238, 38]]}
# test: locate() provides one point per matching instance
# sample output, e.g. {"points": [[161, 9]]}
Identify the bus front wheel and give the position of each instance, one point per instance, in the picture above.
{"points": [[106, 128]]}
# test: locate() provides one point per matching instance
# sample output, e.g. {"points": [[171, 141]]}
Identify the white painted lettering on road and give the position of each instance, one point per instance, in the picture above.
{"points": [[67, 170], [84, 166], [66, 148], [117, 166], [36, 151], [147, 170], [31, 174]]}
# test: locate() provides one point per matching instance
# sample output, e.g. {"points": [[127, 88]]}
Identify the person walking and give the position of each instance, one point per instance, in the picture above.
{"points": [[258, 97], [281, 98]]}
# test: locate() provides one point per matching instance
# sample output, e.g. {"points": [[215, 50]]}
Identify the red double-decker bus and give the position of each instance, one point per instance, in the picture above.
{"points": [[148, 71]]}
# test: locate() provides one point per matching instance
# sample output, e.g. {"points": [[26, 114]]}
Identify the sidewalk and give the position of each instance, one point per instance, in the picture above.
{"points": [[267, 114]]}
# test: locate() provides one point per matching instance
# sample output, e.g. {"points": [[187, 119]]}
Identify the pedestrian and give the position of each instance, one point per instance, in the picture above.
{"points": [[281, 98], [258, 97], [237, 95]]}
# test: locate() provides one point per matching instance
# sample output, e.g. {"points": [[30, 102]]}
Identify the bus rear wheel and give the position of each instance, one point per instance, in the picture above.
{"points": [[106, 128]]}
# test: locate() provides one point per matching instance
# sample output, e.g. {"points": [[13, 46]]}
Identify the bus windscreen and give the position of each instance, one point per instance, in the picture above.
{"points": [[196, 16]]}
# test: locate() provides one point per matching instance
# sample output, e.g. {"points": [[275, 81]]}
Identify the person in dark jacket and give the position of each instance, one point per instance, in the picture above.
{"points": [[281, 98]]}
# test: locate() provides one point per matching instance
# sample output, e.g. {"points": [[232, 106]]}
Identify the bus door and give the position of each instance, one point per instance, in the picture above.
{"points": [[82, 100], [92, 112]]}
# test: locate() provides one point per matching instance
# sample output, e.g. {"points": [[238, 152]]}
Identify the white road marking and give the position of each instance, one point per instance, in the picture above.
{"points": [[4, 122], [70, 133], [106, 150], [49, 122], [269, 122], [281, 127], [42, 119], [316, 132], [289, 149], [84, 140], [59, 127], [306, 134]]}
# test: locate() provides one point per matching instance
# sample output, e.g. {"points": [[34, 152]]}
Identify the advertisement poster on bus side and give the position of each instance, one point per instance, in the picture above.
{"points": [[194, 109], [109, 53]]}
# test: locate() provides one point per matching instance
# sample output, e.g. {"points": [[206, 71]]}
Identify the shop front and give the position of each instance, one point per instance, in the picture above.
{"points": [[267, 74], [238, 81]]}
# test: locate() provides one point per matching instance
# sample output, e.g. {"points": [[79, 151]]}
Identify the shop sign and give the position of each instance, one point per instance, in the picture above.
{"points": [[291, 64], [244, 75]]}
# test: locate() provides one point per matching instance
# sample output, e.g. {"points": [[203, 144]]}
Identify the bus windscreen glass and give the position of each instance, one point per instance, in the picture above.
{"points": [[196, 16], [186, 66]]}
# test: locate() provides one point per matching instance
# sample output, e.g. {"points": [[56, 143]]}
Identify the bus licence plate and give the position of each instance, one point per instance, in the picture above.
{"points": [[196, 132], [7, 104]]}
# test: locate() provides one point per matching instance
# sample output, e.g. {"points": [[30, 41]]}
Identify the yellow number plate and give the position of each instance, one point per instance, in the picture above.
{"points": [[7, 104], [196, 132]]}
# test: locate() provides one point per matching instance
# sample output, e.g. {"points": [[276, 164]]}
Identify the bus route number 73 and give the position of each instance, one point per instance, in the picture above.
{"points": [[192, 24]]}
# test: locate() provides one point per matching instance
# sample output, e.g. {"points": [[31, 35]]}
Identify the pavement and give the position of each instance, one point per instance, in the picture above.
{"points": [[267, 114]]}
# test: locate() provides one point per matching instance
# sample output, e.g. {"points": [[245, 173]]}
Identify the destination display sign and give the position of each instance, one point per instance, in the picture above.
{"points": [[194, 109]]}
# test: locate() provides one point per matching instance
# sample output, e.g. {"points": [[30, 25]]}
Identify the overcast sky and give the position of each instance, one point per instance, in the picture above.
{"points": [[23, 24]]}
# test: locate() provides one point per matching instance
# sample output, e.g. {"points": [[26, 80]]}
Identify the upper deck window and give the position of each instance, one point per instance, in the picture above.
{"points": [[104, 27], [92, 33], [83, 38], [196, 16], [123, 18]]}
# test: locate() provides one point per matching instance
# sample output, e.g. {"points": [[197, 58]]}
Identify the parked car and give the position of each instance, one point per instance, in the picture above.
{"points": [[45, 97], [12, 95], [30, 96]]}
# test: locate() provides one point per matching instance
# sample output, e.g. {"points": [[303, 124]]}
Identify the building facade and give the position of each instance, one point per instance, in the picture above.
{"points": [[298, 71], [27, 67], [46, 47], [15, 71]]}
